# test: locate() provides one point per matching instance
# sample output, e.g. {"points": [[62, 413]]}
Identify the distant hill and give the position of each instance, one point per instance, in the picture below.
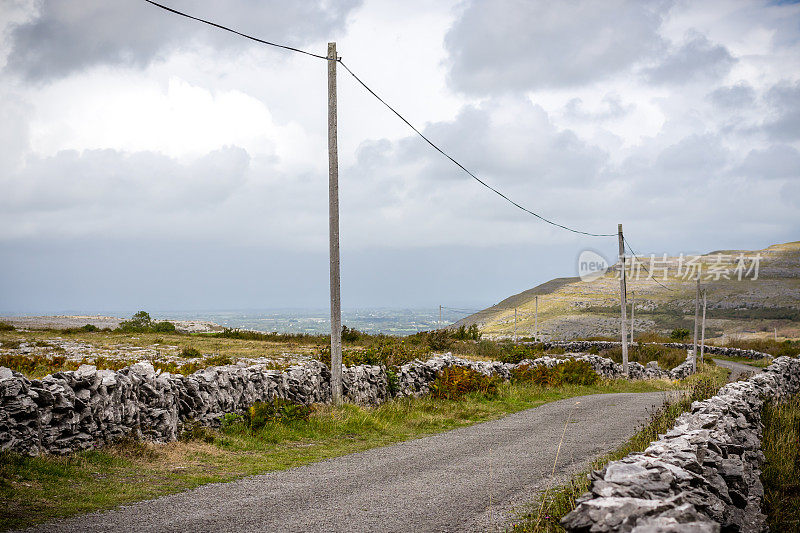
{"points": [[572, 308]]}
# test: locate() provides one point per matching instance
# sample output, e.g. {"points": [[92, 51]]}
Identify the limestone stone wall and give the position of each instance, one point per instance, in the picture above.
{"points": [[76, 410], [703, 475]]}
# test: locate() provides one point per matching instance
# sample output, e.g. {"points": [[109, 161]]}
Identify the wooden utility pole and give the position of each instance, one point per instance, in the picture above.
{"points": [[515, 324], [703, 330], [633, 308], [622, 304], [696, 319], [536, 320], [333, 232]]}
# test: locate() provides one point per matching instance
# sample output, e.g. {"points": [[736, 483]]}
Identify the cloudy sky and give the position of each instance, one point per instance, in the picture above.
{"points": [[149, 161]]}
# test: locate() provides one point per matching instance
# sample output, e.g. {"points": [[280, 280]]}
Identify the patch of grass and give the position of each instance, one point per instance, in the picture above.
{"points": [[667, 358], [781, 471], [774, 348], [36, 489], [544, 515], [37, 365]]}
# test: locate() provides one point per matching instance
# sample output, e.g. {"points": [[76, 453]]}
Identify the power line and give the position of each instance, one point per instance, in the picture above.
{"points": [[462, 167], [649, 275], [225, 28], [393, 110]]}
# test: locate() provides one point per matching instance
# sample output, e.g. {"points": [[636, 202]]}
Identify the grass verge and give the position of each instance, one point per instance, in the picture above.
{"points": [[781, 472], [36, 489], [544, 515]]}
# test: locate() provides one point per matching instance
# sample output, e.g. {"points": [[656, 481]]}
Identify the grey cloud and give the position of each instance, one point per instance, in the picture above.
{"points": [[733, 96], [693, 156], [774, 162], [70, 35], [108, 179], [784, 123], [511, 45], [614, 108], [510, 144], [698, 58]]}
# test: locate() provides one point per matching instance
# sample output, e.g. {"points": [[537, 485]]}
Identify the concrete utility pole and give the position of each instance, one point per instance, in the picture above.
{"points": [[515, 324], [703, 330], [333, 232], [536, 320], [633, 308], [622, 304], [696, 319]]}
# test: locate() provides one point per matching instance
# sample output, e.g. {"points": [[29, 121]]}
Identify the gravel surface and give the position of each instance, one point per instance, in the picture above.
{"points": [[738, 370], [468, 479]]}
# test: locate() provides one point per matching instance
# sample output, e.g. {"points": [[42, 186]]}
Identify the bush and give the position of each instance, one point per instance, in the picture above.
{"points": [[679, 334], [392, 380], [4, 326], [190, 352], [467, 334], [164, 327], [570, 372], [350, 335], [89, 328], [439, 339], [454, 382], [577, 373], [515, 353], [277, 410]]}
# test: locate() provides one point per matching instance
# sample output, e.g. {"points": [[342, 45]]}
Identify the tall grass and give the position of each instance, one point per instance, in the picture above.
{"points": [[781, 471]]}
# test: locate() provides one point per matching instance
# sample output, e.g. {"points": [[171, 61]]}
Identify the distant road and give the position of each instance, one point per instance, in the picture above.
{"points": [[737, 369], [468, 479]]}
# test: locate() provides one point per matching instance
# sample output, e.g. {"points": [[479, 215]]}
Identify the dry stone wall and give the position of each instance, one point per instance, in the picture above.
{"points": [[585, 346], [76, 410], [702, 476]]}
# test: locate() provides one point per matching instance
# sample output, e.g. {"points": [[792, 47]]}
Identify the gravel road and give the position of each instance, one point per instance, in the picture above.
{"points": [[468, 479], [737, 369]]}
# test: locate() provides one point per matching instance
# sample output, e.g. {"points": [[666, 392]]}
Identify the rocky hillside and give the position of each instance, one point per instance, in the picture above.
{"points": [[756, 304]]}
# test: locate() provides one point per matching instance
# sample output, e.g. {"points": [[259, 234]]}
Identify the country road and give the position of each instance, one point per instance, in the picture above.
{"points": [[737, 369], [468, 479]]}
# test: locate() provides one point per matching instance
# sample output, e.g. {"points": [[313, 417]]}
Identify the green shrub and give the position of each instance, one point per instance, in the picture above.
{"points": [[190, 352], [679, 334], [4, 326], [89, 328], [164, 326], [439, 339], [350, 335], [277, 410], [569, 372], [536, 374], [11, 344], [454, 382], [392, 380], [515, 353], [466, 334]]}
